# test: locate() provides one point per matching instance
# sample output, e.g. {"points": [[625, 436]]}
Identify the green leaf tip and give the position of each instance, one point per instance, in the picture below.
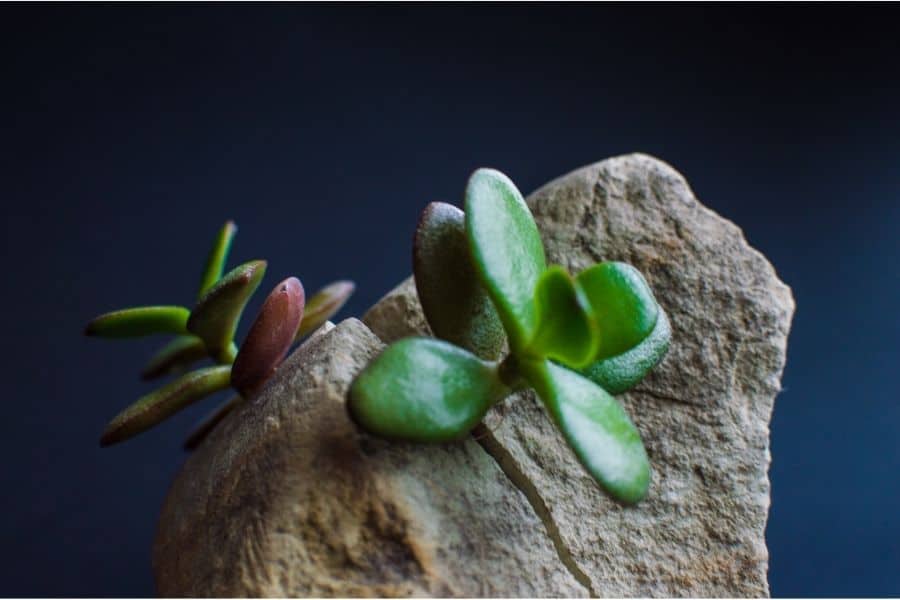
{"points": [[140, 321], [566, 330], [597, 429], [215, 318], [424, 390], [622, 305], [155, 407], [323, 305], [269, 338], [218, 256], [620, 373], [454, 301], [506, 249]]}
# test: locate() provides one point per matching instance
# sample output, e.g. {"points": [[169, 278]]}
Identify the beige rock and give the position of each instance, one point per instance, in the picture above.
{"points": [[398, 314], [703, 413], [287, 498]]}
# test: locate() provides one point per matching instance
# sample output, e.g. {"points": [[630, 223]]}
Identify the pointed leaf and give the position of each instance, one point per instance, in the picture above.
{"points": [[140, 321], [218, 255], [506, 250], [621, 373], [175, 356], [323, 305], [164, 402], [205, 426], [216, 316], [622, 303], [596, 427], [269, 338], [455, 303], [424, 390], [566, 332]]}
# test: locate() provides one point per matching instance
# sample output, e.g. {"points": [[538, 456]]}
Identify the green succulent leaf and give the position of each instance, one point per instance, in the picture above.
{"points": [[176, 356], [424, 390], [506, 250], [218, 255], [622, 303], [215, 318], [141, 321], [323, 305], [205, 426], [596, 427], [164, 402], [621, 373], [565, 330], [455, 303]]}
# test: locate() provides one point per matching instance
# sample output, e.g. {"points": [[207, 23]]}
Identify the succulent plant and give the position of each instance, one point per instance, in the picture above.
{"points": [[486, 291], [208, 331]]}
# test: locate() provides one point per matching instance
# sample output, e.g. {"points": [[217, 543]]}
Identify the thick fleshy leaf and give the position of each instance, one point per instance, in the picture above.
{"points": [[176, 356], [323, 305], [565, 330], [506, 250], [596, 427], [621, 373], [216, 316], [453, 299], [218, 255], [164, 402], [424, 390], [140, 321], [205, 426], [269, 338], [622, 303]]}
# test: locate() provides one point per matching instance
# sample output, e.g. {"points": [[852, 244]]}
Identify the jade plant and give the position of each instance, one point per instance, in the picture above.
{"points": [[208, 331], [507, 322]]}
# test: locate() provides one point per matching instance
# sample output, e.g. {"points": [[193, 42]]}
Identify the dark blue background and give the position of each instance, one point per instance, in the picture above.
{"points": [[128, 133]]}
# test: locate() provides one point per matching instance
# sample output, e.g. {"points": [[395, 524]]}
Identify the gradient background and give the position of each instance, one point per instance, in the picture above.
{"points": [[128, 133]]}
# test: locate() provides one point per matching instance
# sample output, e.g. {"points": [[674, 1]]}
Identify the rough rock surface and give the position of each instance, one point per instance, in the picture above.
{"points": [[286, 498]]}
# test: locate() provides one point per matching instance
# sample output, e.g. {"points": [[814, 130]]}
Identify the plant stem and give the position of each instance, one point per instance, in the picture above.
{"points": [[510, 374]]}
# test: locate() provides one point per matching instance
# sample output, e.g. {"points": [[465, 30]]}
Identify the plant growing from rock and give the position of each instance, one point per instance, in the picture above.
{"points": [[207, 331], [485, 288]]}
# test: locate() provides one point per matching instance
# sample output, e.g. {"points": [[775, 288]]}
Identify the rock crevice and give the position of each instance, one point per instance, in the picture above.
{"points": [[507, 464]]}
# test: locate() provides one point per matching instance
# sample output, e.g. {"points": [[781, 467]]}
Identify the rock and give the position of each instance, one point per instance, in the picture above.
{"points": [[398, 314], [287, 498], [703, 412]]}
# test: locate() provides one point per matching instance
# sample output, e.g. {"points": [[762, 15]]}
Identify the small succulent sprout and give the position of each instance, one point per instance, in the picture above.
{"points": [[456, 305], [596, 427], [215, 318], [566, 329], [622, 305], [619, 374], [323, 305], [390, 399], [269, 338], [218, 256], [208, 332], [138, 322], [175, 356], [506, 249], [166, 401], [604, 322]]}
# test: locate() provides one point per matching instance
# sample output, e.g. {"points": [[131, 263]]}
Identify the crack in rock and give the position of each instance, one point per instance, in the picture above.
{"points": [[507, 464]]}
